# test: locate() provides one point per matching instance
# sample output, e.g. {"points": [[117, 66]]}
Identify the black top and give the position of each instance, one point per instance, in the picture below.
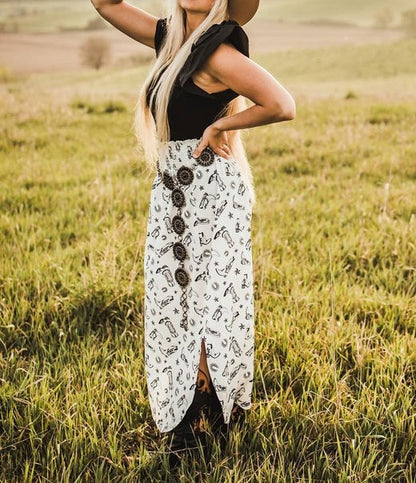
{"points": [[191, 109]]}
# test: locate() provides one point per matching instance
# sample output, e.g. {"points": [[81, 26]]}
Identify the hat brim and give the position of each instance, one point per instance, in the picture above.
{"points": [[242, 10]]}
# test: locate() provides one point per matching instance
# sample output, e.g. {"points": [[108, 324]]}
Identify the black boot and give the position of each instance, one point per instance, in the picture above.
{"points": [[201, 404], [191, 433]]}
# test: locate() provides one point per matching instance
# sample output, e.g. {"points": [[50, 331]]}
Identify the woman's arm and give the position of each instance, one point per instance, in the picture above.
{"points": [[133, 21], [272, 102]]}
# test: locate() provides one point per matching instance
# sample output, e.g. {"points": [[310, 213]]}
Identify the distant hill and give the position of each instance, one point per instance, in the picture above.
{"points": [[55, 15], [359, 12]]}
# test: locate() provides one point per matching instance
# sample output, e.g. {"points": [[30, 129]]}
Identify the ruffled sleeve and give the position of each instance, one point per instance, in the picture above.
{"points": [[226, 31], [160, 34]]}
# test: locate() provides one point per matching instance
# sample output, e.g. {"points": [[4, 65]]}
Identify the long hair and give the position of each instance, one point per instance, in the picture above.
{"points": [[153, 133]]}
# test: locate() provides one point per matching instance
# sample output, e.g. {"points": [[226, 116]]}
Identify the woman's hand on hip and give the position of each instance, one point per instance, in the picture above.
{"points": [[216, 139]]}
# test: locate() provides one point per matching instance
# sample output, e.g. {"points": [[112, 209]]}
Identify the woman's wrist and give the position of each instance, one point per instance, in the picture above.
{"points": [[218, 125]]}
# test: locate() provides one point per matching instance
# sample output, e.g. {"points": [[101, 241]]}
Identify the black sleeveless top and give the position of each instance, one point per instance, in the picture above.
{"points": [[191, 109]]}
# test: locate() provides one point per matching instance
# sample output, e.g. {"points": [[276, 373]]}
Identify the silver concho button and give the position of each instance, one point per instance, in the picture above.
{"points": [[168, 180], [179, 250], [181, 277], [185, 175], [178, 197], [178, 224], [207, 157]]}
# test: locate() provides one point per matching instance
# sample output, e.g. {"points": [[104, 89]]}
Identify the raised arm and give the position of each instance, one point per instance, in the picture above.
{"points": [[132, 21]]}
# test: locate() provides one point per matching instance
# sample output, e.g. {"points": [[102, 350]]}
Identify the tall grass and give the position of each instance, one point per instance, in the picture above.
{"points": [[334, 254]]}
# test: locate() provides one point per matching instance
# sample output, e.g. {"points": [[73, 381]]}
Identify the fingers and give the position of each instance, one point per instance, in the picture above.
{"points": [[202, 145], [227, 149], [223, 150], [222, 153]]}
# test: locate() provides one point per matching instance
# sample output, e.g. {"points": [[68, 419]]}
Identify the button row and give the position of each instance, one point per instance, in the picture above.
{"points": [[185, 176]]}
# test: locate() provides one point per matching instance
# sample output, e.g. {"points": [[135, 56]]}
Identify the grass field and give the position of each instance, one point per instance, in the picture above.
{"points": [[334, 253], [52, 15]]}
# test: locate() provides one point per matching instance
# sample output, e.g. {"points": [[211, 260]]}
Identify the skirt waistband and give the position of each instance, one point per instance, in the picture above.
{"points": [[179, 144], [190, 141], [174, 154]]}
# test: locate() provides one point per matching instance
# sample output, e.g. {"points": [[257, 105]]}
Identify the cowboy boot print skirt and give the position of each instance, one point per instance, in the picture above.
{"points": [[198, 275]]}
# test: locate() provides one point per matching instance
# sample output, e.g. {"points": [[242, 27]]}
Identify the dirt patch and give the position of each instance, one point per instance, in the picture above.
{"points": [[28, 53]]}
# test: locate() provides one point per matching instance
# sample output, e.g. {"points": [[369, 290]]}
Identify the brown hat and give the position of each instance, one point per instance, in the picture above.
{"points": [[242, 10]]}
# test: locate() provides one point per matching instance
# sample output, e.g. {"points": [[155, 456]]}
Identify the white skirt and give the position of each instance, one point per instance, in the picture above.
{"points": [[198, 275]]}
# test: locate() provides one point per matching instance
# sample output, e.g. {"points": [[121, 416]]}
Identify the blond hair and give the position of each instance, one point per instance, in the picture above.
{"points": [[153, 133]]}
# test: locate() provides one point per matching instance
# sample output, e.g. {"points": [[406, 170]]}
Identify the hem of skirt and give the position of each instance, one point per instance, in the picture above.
{"points": [[246, 408], [226, 413], [170, 427]]}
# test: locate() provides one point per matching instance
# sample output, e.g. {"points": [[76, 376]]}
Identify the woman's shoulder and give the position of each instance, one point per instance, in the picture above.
{"points": [[227, 31]]}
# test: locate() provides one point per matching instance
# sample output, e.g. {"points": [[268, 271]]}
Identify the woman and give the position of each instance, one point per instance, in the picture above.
{"points": [[199, 313]]}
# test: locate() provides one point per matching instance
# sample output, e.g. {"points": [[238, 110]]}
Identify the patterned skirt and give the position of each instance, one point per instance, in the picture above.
{"points": [[198, 275]]}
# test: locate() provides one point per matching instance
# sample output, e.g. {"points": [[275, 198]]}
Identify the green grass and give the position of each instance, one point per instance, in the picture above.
{"points": [[346, 63], [334, 267]]}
